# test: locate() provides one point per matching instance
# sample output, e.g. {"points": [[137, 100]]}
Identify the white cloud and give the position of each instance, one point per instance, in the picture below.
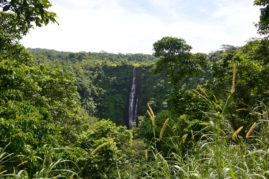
{"points": [[95, 25]]}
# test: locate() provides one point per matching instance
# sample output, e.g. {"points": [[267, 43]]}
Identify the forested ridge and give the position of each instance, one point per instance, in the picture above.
{"points": [[103, 80], [65, 114]]}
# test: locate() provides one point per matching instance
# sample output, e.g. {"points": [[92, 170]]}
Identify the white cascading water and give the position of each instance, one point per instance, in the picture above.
{"points": [[136, 105], [132, 110]]}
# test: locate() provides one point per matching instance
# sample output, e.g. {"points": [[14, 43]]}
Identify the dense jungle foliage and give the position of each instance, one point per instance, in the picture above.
{"points": [[104, 79], [200, 115]]}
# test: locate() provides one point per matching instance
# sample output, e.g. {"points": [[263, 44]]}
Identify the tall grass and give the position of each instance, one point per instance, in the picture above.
{"points": [[220, 152], [48, 169]]}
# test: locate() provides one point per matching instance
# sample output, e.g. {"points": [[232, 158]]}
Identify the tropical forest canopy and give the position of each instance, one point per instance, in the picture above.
{"points": [[64, 114]]}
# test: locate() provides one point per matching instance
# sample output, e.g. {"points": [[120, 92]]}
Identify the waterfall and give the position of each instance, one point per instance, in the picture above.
{"points": [[133, 102]]}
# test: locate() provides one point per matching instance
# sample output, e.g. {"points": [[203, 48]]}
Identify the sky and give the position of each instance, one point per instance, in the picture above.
{"points": [[132, 26]]}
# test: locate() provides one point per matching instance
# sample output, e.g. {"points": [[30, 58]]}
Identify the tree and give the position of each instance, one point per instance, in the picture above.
{"points": [[173, 54], [35, 100], [176, 60], [16, 18], [182, 67], [29, 11], [251, 80], [263, 24]]}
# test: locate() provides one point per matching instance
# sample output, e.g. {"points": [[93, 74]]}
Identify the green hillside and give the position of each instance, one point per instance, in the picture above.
{"points": [[173, 114], [104, 80]]}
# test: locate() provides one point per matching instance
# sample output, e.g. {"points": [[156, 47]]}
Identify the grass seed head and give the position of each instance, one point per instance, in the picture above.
{"points": [[202, 90], [151, 111], [146, 154], [236, 132], [3, 172], [99, 147], [184, 138], [22, 163], [131, 140], [204, 123], [242, 109], [234, 74], [163, 128], [250, 130], [151, 117], [204, 97]]}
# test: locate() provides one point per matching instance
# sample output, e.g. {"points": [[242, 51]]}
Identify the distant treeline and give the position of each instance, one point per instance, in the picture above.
{"points": [[53, 55]]}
